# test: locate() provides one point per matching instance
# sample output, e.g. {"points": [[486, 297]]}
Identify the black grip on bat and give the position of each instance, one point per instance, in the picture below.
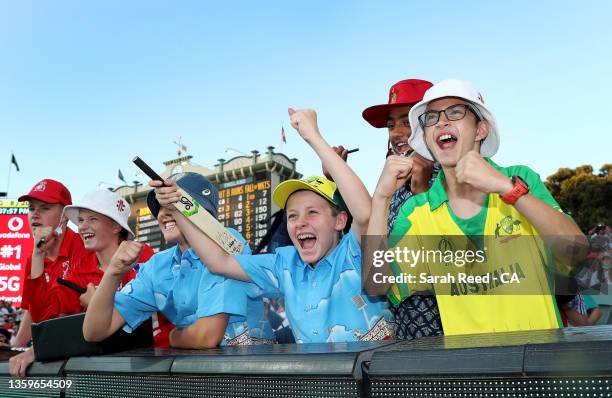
{"points": [[71, 285], [146, 169]]}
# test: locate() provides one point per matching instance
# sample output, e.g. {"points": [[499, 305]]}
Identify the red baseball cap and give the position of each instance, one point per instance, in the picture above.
{"points": [[49, 191], [402, 93]]}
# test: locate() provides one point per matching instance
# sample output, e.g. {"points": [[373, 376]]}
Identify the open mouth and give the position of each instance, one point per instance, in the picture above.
{"points": [[169, 225], [87, 236], [446, 141], [401, 148], [306, 240]]}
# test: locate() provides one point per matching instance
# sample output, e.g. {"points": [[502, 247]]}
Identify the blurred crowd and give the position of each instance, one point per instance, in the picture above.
{"points": [[10, 318], [592, 279], [596, 272]]}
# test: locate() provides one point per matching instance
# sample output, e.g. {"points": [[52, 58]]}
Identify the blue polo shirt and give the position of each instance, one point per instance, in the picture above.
{"points": [[324, 303], [180, 286]]}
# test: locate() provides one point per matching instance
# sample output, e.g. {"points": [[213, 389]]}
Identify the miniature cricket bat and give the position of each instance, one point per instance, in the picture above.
{"points": [[198, 215]]}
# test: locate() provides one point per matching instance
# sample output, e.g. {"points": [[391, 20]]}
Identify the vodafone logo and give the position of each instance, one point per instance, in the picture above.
{"points": [[15, 224]]}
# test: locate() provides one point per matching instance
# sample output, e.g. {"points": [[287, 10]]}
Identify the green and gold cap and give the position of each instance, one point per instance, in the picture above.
{"points": [[319, 185]]}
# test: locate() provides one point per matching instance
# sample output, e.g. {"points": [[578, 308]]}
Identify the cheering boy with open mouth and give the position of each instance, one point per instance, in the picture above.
{"points": [[320, 276]]}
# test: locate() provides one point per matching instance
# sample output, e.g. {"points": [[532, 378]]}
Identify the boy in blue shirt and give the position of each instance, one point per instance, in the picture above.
{"points": [[208, 310], [320, 276]]}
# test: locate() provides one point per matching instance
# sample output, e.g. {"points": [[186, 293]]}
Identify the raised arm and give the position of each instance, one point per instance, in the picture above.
{"points": [[564, 237], [343, 153], [396, 172], [351, 187], [216, 259], [101, 318]]}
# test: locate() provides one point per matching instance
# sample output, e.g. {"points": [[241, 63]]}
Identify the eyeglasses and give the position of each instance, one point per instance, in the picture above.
{"points": [[452, 113]]}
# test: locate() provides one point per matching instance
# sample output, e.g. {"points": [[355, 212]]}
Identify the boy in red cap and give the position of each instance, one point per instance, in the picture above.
{"points": [[56, 248]]}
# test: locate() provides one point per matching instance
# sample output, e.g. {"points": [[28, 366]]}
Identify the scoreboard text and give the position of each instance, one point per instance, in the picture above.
{"points": [[245, 205]]}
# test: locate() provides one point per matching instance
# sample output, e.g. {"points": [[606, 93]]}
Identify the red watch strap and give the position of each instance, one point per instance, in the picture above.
{"points": [[520, 189]]}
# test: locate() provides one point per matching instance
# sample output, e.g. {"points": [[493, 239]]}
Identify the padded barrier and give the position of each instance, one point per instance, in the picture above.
{"points": [[47, 371], [308, 370], [558, 363], [575, 362]]}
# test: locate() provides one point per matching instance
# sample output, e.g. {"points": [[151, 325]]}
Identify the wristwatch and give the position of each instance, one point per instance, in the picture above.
{"points": [[520, 188]]}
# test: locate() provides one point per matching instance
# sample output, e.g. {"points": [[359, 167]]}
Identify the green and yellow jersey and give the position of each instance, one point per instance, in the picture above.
{"points": [[509, 288]]}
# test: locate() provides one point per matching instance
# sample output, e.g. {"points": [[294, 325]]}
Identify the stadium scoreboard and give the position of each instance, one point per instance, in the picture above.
{"points": [[244, 205]]}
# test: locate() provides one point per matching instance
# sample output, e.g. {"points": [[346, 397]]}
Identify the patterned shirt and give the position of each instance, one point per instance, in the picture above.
{"points": [[323, 303], [418, 315], [402, 195], [184, 290]]}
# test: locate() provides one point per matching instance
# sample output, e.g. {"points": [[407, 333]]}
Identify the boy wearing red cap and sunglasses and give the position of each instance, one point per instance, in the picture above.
{"points": [[417, 316]]}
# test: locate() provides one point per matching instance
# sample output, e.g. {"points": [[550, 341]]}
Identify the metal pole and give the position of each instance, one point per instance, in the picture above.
{"points": [[8, 182]]}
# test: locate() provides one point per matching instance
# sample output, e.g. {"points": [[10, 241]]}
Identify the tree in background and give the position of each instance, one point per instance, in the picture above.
{"points": [[584, 195]]}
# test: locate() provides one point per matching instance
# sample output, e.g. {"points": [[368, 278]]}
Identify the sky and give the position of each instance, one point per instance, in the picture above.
{"points": [[85, 86]]}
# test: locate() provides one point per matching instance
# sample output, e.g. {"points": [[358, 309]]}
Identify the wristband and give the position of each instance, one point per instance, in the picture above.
{"points": [[520, 188]]}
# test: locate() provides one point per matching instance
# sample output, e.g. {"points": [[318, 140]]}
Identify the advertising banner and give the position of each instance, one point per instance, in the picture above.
{"points": [[15, 247]]}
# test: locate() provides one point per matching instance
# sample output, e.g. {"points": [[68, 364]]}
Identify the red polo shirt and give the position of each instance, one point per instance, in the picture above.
{"points": [[93, 274], [35, 290], [57, 299], [45, 298]]}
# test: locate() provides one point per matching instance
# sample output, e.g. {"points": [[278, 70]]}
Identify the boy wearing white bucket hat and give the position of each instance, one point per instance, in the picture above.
{"points": [[473, 197], [105, 216], [102, 221]]}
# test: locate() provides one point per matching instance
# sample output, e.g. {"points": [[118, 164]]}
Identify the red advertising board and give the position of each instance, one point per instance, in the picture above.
{"points": [[15, 247]]}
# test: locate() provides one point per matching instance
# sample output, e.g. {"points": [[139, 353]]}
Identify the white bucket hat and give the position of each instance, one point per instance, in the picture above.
{"points": [[106, 203], [452, 88]]}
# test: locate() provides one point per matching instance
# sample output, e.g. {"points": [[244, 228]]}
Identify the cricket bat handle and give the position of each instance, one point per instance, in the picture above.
{"points": [[198, 215], [146, 169]]}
